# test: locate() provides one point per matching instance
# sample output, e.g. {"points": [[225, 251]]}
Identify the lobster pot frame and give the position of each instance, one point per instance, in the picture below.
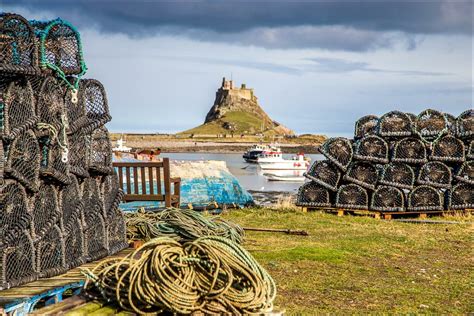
{"points": [[339, 151], [387, 198], [92, 110], [18, 262], [362, 173], [111, 192], [466, 172], [71, 206], [352, 196], [395, 123], [431, 123], [17, 107], [470, 150], [15, 215], [425, 198], [448, 148], [366, 125], [45, 210], [451, 121], [410, 150], [92, 199], [312, 194], [18, 48], [50, 259], [371, 148], [78, 154], [325, 174], [52, 165], [465, 124], [74, 251], [100, 154], [96, 242], [116, 229], [23, 160], [412, 117], [435, 174], [398, 175], [461, 197], [50, 107]]}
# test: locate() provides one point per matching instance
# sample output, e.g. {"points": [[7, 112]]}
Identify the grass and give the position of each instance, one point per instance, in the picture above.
{"points": [[362, 265]]}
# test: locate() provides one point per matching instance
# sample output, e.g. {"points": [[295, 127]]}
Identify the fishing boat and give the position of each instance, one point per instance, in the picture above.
{"points": [[120, 147], [275, 161], [251, 156], [285, 175]]}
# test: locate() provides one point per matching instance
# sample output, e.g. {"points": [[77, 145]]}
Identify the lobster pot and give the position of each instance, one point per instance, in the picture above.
{"points": [[352, 196], [465, 124], [45, 210], [325, 174], [100, 152], [395, 124], [91, 111], [386, 198], [339, 151], [362, 173], [425, 198], [412, 117], [461, 197], [366, 125], [435, 174], [17, 262], [71, 206], [312, 194], [410, 150], [92, 200], [470, 150], [78, 154], [448, 148], [15, 216], [17, 107], [111, 192], [466, 172], [53, 165], [431, 123], [50, 249], [371, 148], [398, 175], [74, 251], [116, 229], [451, 123], [23, 160], [18, 49], [96, 243], [60, 46], [50, 107]]}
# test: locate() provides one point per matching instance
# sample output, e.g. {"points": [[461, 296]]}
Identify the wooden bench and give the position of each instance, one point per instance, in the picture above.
{"points": [[143, 182]]}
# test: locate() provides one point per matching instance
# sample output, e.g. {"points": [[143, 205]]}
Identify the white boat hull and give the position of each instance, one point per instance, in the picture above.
{"points": [[284, 165]]}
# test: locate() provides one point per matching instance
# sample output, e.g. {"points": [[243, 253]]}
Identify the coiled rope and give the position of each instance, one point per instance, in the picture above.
{"points": [[210, 274]]}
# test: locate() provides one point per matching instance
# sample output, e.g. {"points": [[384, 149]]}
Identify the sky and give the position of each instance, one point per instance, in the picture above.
{"points": [[316, 66]]}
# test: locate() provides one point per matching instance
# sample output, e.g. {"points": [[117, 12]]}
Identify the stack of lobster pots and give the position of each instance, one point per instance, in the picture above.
{"points": [[398, 162], [59, 195]]}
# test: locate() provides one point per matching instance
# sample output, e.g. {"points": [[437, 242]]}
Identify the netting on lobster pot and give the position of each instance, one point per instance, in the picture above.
{"points": [[54, 162], [15, 215], [352, 196], [325, 174], [18, 49], [435, 174], [387, 198], [431, 123], [313, 194], [339, 151], [465, 124], [371, 148], [111, 192], [45, 210], [461, 196], [50, 259], [17, 262], [78, 154], [100, 152], [410, 150], [23, 160], [116, 229], [470, 150], [451, 121], [448, 148], [92, 199], [96, 242], [366, 125], [71, 205], [50, 107], [395, 123], [425, 198], [74, 251], [362, 173], [465, 173], [412, 117], [17, 107], [398, 175]]}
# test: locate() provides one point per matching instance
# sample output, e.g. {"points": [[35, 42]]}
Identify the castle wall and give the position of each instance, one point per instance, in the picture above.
{"points": [[241, 93]]}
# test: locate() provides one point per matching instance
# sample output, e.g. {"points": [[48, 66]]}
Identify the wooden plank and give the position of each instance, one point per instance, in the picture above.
{"points": [[151, 180], [157, 164], [106, 310], [139, 197], [143, 178], [135, 179], [304, 209], [61, 307], [120, 177], [340, 212], [158, 180], [166, 176], [127, 180], [85, 309]]}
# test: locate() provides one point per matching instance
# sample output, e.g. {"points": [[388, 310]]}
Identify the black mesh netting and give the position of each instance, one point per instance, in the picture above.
{"points": [[409, 150], [470, 150], [50, 107], [366, 125], [100, 152], [395, 123], [425, 198], [387, 198], [412, 117], [398, 175], [461, 196], [15, 216], [45, 210], [50, 258], [74, 251], [448, 148], [23, 160], [431, 123], [339, 151], [52, 164], [362, 173], [116, 229], [78, 154], [312, 194], [18, 49], [465, 173], [451, 120], [371, 148], [325, 174], [435, 174], [71, 205], [465, 124], [92, 110], [352, 196], [111, 192]]}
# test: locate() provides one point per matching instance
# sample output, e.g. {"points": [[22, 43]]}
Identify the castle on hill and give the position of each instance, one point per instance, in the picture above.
{"points": [[228, 88]]}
